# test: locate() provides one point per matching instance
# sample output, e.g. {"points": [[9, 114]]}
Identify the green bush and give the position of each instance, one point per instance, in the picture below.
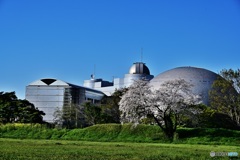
{"points": [[121, 133]]}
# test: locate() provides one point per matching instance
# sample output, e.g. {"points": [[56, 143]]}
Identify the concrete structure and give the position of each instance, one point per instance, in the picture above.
{"points": [[137, 71], [200, 78], [48, 94]]}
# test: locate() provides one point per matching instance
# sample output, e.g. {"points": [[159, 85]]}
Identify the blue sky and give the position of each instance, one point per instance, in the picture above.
{"points": [[65, 39]]}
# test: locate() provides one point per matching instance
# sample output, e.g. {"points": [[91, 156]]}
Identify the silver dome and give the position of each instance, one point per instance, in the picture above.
{"points": [[139, 68], [200, 78]]}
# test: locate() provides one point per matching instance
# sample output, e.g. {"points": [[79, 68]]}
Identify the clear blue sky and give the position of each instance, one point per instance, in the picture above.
{"points": [[63, 39]]}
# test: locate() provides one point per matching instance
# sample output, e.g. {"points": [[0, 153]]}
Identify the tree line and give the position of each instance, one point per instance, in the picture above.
{"points": [[87, 113], [13, 110]]}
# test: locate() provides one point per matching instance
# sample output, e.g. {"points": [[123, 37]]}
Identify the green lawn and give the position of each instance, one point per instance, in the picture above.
{"points": [[62, 149]]}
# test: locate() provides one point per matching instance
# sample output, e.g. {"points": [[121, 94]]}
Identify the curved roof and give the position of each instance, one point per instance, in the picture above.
{"points": [[139, 68], [201, 79], [190, 73]]}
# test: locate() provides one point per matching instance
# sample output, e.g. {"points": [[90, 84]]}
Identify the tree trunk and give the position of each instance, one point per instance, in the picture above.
{"points": [[168, 128]]}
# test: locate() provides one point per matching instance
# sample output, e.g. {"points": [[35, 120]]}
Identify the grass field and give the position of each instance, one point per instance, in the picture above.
{"points": [[11, 149]]}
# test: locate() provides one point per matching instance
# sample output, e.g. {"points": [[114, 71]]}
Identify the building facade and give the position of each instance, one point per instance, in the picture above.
{"points": [[49, 94]]}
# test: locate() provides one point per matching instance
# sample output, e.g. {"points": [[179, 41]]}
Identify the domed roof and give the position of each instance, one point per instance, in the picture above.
{"points": [[201, 79], [139, 68]]}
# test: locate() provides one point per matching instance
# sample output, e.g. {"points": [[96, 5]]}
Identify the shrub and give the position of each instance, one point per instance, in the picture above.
{"points": [[124, 133]]}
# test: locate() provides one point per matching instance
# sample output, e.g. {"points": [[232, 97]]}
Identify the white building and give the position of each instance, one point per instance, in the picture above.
{"points": [[137, 71]]}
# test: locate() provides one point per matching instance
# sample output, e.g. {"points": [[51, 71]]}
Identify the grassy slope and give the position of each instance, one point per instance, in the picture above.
{"points": [[124, 133], [61, 149]]}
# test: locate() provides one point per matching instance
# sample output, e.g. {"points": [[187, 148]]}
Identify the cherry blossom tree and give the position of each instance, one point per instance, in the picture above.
{"points": [[133, 105], [164, 105], [172, 99]]}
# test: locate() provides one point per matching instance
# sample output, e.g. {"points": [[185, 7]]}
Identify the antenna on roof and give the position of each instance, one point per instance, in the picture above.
{"points": [[113, 78], [94, 70]]}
